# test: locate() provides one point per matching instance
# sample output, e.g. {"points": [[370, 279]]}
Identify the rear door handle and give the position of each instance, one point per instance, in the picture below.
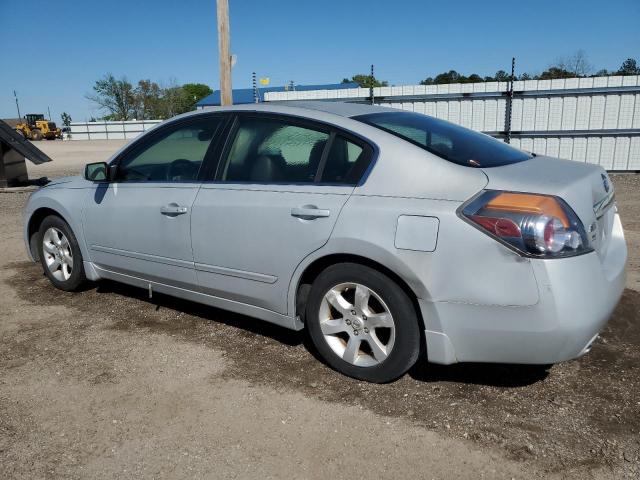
{"points": [[309, 212], [173, 210]]}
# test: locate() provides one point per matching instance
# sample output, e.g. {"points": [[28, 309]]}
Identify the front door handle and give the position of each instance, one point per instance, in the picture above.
{"points": [[173, 210], [309, 212]]}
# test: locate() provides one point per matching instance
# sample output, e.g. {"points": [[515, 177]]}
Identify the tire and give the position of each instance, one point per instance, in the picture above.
{"points": [[60, 254], [36, 135], [384, 329]]}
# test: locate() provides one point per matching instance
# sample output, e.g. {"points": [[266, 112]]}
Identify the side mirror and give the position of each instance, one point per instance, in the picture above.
{"points": [[96, 172]]}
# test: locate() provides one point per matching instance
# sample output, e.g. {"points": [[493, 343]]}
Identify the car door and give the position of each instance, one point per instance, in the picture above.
{"points": [[139, 224], [277, 194]]}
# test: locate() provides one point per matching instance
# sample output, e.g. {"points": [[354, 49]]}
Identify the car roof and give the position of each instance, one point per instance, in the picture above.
{"points": [[342, 109]]}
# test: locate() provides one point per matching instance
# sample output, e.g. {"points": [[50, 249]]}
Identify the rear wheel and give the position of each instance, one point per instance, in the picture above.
{"points": [[60, 254], [362, 323]]}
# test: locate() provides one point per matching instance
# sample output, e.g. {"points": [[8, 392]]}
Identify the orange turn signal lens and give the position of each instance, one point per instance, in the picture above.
{"points": [[529, 203]]}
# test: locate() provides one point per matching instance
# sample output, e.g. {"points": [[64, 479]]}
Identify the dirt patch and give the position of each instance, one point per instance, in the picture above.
{"points": [[581, 415]]}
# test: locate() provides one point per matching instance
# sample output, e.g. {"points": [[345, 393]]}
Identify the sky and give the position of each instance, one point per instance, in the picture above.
{"points": [[53, 56]]}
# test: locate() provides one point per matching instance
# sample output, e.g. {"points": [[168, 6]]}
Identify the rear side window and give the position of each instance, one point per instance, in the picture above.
{"points": [[342, 161], [447, 140], [272, 151]]}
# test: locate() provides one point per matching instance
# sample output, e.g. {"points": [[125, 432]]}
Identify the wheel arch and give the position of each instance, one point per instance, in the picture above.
{"points": [[313, 269], [33, 226]]}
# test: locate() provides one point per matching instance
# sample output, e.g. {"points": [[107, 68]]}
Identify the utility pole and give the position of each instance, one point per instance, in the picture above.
{"points": [[17, 104], [226, 97]]}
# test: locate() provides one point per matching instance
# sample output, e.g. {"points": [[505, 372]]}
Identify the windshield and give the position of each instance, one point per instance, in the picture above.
{"points": [[447, 140]]}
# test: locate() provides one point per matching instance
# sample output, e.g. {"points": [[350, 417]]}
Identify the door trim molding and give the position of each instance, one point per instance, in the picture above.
{"points": [[143, 256], [232, 272]]}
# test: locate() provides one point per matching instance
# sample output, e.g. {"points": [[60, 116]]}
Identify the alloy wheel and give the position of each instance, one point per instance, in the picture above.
{"points": [[357, 324], [58, 255]]}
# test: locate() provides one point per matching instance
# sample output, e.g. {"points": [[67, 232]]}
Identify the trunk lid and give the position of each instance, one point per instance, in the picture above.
{"points": [[585, 187]]}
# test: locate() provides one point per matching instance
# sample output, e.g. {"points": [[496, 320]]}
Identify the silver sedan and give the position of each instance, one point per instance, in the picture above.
{"points": [[390, 236]]}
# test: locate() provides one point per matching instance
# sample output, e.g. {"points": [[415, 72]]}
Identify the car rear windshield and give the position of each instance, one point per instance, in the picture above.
{"points": [[447, 140]]}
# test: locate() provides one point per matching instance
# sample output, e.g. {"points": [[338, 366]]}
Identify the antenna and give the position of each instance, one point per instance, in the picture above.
{"points": [[17, 104], [255, 88], [371, 80], [507, 129]]}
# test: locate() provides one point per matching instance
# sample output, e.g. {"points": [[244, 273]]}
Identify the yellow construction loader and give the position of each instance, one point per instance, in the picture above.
{"points": [[35, 127]]}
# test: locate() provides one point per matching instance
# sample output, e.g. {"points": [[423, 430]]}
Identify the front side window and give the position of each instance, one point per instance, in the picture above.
{"points": [[447, 140], [273, 151], [175, 157]]}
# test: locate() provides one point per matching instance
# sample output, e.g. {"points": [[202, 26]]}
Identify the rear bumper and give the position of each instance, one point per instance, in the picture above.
{"points": [[576, 298]]}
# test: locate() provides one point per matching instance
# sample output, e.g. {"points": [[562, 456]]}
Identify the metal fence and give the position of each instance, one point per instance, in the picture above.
{"points": [[119, 130], [595, 120]]}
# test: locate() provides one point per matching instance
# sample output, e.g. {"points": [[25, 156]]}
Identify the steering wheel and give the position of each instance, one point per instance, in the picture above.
{"points": [[181, 169]]}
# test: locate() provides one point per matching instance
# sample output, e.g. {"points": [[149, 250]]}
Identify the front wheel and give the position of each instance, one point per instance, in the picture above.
{"points": [[60, 254], [362, 323]]}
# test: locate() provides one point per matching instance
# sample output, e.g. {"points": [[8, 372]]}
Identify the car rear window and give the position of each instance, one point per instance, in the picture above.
{"points": [[447, 140]]}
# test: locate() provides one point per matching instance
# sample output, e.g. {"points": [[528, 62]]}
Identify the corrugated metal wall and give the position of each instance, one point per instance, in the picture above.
{"points": [[110, 130], [594, 120]]}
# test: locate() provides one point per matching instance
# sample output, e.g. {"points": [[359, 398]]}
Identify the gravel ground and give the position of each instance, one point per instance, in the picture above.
{"points": [[107, 383]]}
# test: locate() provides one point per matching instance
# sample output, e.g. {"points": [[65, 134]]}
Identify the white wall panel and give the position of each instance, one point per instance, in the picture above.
{"points": [[528, 113], [490, 116], [555, 113], [593, 149], [597, 112], [465, 113], [566, 148], [607, 151], [611, 110], [583, 113], [579, 149], [542, 114], [625, 116], [516, 114], [634, 154], [442, 110], [569, 113], [478, 115], [621, 154], [553, 147], [636, 112]]}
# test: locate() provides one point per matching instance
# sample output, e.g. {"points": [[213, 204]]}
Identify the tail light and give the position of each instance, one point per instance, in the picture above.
{"points": [[533, 225]]}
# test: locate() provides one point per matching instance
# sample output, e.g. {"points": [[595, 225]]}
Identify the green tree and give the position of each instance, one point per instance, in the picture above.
{"points": [[364, 81], [501, 76], [555, 72], [148, 100], [116, 96], [66, 119], [629, 67], [474, 78], [451, 77], [194, 92]]}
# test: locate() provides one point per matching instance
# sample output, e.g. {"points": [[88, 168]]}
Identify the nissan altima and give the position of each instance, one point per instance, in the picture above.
{"points": [[388, 235]]}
